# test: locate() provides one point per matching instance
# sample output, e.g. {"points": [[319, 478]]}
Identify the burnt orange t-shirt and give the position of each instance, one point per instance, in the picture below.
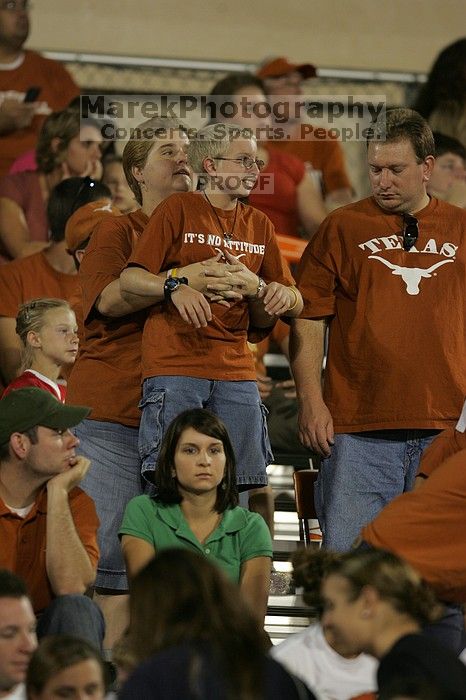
{"points": [[426, 527], [107, 372], [448, 443], [30, 278], [324, 158], [57, 90], [182, 230], [397, 319], [23, 549]]}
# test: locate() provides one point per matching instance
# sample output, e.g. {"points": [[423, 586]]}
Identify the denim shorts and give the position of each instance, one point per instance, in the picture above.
{"points": [[237, 404], [364, 472], [112, 480]]}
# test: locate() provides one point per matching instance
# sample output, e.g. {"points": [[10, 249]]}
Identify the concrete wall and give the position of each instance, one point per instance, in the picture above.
{"points": [[400, 35]]}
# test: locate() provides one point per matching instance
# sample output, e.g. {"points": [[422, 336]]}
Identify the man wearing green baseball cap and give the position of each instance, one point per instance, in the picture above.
{"points": [[48, 525]]}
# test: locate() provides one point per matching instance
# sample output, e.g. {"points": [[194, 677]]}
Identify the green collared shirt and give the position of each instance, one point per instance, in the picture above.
{"points": [[240, 535]]}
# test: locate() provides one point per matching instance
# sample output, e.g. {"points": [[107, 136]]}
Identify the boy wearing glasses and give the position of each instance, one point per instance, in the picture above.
{"points": [[387, 275], [195, 354]]}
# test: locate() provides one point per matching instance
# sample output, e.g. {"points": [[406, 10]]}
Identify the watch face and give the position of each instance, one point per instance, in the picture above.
{"points": [[171, 284]]}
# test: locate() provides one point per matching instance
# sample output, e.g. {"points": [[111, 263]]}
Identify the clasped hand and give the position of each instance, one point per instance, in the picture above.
{"points": [[68, 479], [235, 280], [224, 282]]}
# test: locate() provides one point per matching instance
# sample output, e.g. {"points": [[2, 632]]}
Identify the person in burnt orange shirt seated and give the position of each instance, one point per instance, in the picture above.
{"points": [[48, 526]]}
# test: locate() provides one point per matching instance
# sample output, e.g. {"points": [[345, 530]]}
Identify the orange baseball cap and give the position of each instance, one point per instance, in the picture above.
{"points": [[277, 67], [82, 223]]}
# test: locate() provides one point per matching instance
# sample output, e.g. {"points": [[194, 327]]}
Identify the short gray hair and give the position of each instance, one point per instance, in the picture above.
{"points": [[213, 141]]}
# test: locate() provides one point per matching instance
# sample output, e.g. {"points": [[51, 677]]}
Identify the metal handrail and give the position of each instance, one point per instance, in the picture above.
{"points": [[229, 66]]}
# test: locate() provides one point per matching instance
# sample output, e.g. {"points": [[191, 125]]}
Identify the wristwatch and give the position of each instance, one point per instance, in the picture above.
{"points": [[171, 284], [260, 286]]}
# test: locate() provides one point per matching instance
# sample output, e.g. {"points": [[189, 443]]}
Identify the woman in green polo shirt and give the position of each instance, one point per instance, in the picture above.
{"points": [[196, 507]]}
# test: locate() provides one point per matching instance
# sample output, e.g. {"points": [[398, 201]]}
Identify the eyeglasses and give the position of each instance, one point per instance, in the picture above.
{"points": [[410, 231], [15, 5], [246, 161], [87, 182]]}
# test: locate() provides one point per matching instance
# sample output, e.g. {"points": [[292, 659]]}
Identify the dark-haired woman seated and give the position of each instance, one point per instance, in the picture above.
{"points": [[66, 667], [191, 636], [197, 508]]}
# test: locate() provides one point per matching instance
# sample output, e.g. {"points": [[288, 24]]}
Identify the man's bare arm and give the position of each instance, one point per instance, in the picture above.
{"points": [[69, 567], [15, 115], [315, 423], [14, 231], [115, 301]]}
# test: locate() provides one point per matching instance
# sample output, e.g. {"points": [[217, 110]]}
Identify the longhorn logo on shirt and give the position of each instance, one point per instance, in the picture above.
{"points": [[241, 255], [107, 207], [411, 276]]}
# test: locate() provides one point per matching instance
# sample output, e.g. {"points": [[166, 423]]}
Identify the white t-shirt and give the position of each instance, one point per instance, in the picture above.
{"points": [[329, 675], [19, 693]]}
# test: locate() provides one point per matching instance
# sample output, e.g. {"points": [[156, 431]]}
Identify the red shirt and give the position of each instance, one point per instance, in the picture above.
{"points": [[31, 378]]}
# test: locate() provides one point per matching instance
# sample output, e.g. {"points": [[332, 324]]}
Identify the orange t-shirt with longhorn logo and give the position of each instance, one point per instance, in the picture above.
{"points": [[184, 230], [397, 319]]}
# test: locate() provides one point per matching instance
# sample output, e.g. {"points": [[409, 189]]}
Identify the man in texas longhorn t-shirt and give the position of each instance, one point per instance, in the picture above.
{"points": [[387, 274]]}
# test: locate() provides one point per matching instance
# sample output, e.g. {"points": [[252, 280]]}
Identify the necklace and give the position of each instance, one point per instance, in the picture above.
{"points": [[227, 235]]}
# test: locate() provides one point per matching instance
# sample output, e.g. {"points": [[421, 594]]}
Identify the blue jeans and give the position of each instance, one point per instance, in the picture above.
{"points": [[112, 480], [364, 472], [237, 404], [76, 615]]}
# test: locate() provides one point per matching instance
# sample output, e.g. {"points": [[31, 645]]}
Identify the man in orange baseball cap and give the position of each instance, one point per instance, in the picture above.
{"points": [[281, 71], [323, 158], [81, 225]]}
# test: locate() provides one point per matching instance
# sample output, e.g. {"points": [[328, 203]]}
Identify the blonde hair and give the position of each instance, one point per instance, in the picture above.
{"points": [[142, 141], [394, 580], [213, 141], [31, 317]]}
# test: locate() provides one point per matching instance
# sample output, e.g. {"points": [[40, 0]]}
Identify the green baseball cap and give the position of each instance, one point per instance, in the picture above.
{"points": [[23, 409]]}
